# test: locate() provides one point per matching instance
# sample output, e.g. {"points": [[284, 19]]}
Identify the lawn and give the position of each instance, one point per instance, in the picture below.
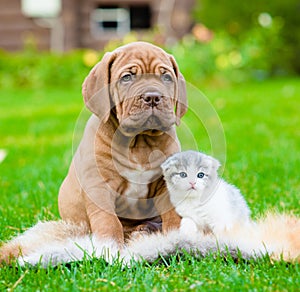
{"points": [[253, 128]]}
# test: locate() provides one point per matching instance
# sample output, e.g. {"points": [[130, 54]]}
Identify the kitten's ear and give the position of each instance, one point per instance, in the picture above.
{"points": [[166, 164], [215, 163]]}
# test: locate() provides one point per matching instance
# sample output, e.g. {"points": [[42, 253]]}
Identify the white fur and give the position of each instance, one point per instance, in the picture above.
{"points": [[217, 212], [55, 242], [71, 250], [151, 247], [188, 226]]}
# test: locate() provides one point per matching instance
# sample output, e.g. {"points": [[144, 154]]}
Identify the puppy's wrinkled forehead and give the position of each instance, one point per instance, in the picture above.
{"points": [[141, 59]]}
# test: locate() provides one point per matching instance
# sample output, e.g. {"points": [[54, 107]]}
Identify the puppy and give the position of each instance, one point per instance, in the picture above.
{"points": [[114, 185]]}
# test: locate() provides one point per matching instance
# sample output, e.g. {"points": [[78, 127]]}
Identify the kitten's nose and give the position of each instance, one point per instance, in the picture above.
{"points": [[193, 185]]}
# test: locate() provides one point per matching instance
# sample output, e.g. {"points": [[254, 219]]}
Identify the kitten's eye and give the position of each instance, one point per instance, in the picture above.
{"points": [[182, 174], [126, 78], [200, 174]]}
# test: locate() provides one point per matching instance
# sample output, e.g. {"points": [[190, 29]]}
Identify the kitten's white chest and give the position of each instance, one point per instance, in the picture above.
{"points": [[215, 213], [188, 207]]}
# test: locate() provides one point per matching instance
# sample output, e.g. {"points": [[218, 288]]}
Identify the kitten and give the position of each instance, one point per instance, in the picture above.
{"points": [[203, 200]]}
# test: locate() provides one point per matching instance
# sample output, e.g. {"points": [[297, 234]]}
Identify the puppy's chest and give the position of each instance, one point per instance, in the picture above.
{"points": [[138, 181]]}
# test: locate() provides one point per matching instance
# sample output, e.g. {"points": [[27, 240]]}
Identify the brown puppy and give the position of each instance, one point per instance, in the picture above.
{"points": [[114, 184]]}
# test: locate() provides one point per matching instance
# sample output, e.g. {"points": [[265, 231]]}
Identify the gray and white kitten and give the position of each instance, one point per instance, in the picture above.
{"points": [[203, 200]]}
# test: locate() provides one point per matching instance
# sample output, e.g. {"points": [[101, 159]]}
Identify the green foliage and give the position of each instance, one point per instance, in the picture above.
{"points": [[32, 68], [225, 59], [239, 18]]}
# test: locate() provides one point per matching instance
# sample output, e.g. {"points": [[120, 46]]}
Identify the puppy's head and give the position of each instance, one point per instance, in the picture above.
{"points": [[139, 83]]}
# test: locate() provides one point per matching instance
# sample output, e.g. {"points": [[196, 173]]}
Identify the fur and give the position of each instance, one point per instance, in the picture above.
{"points": [[55, 242]]}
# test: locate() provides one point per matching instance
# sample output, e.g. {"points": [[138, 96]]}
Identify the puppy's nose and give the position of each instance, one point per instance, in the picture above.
{"points": [[152, 98]]}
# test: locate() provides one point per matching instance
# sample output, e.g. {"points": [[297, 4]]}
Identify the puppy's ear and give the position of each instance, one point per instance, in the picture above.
{"points": [[95, 88], [181, 99], [181, 103]]}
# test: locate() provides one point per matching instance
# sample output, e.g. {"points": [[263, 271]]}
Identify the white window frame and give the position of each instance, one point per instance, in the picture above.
{"points": [[119, 15]]}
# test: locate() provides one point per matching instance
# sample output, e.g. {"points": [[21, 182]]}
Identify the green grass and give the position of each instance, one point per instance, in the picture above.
{"points": [[261, 123]]}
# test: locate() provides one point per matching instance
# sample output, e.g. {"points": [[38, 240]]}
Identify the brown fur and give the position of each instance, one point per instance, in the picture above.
{"points": [[120, 139], [278, 233], [286, 230]]}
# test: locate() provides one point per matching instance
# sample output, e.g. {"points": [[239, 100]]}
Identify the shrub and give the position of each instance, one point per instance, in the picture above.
{"points": [[239, 19], [226, 59], [32, 68], [256, 54]]}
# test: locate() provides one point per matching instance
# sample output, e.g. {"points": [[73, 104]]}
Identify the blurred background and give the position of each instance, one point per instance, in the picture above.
{"points": [[44, 42]]}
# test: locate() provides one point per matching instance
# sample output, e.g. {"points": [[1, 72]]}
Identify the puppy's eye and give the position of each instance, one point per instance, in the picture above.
{"points": [[126, 78], [200, 175], [167, 77], [183, 174]]}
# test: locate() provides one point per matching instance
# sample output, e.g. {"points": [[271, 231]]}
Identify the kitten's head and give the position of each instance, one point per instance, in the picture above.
{"points": [[190, 171]]}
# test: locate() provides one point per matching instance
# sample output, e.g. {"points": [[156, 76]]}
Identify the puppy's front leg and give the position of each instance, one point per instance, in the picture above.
{"points": [[103, 220], [170, 220]]}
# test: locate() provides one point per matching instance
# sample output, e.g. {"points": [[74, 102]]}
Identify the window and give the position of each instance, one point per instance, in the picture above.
{"points": [[140, 17], [120, 20], [110, 20]]}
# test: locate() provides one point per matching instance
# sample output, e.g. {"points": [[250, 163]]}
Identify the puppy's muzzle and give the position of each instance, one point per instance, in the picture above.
{"points": [[152, 98]]}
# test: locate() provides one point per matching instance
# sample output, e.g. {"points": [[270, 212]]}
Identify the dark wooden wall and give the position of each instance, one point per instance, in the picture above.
{"points": [[16, 30]]}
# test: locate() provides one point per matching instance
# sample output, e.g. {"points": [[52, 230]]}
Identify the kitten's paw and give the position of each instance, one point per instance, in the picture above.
{"points": [[188, 226]]}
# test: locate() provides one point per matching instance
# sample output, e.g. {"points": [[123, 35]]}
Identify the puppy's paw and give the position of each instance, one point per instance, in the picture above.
{"points": [[149, 227], [146, 228]]}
